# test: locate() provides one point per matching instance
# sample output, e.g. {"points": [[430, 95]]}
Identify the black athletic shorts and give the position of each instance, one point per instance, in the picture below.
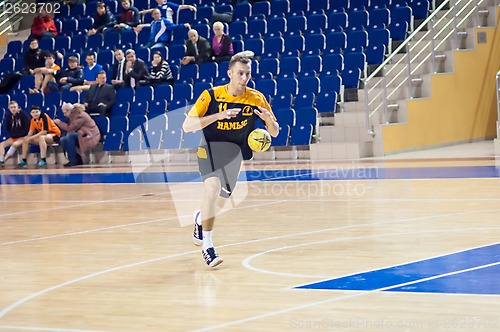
{"points": [[222, 160]]}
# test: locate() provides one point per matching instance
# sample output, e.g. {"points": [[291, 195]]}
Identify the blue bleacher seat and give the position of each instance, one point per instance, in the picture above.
{"points": [[269, 65], [183, 91], [102, 123], [294, 43], [301, 135], [199, 88], [111, 39], [152, 139], [188, 73], [208, 70], [274, 45], [358, 20], [331, 83], [277, 24], [282, 101], [298, 6], [176, 53], [14, 48], [94, 43], [119, 123], [62, 43], [351, 77], [280, 7], [285, 116], [263, 7], [129, 37], [78, 10], [401, 15], [309, 84], [186, 16], [105, 57], [143, 36], [307, 115], [157, 122], [120, 108], [310, 63], [171, 138], [337, 19], [289, 66], [125, 94], [7, 65], [336, 41], [420, 9], [137, 121], [163, 92], [315, 41], [85, 24], [319, 5], [69, 26], [283, 136], [238, 28], [256, 27], [139, 107], [21, 99], [205, 12], [380, 16], [70, 97], [157, 107], [375, 54], [379, 37], [4, 103], [326, 102], [287, 85], [379, 4], [266, 86], [398, 31], [47, 44], [34, 99], [357, 38], [144, 93], [78, 43], [317, 22], [356, 60], [296, 25], [255, 45], [304, 100], [242, 11], [132, 140], [358, 4], [113, 141]]}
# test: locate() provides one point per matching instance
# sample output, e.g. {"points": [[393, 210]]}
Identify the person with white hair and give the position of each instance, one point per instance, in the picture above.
{"points": [[222, 47], [82, 133], [198, 49]]}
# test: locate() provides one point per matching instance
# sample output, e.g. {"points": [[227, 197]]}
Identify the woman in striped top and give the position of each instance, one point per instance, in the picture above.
{"points": [[160, 70]]}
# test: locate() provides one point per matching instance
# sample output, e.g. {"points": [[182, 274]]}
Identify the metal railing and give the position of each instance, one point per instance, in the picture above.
{"points": [[398, 74], [9, 18]]}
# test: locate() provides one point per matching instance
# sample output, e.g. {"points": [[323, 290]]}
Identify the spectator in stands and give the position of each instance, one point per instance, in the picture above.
{"points": [[103, 19], [119, 69], [101, 97], [222, 48], [82, 134], [46, 74], [65, 79], [89, 73], [43, 26], [17, 125], [198, 49], [34, 57], [129, 17], [168, 9], [161, 30], [136, 72], [43, 131], [160, 71]]}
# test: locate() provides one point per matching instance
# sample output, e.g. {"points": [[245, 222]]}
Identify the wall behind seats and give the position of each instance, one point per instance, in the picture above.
{"points": [[462, 107]]}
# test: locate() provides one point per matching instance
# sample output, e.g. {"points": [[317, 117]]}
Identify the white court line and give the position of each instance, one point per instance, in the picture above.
{"points": [[34, 295], [337, 299], [246, 261]]}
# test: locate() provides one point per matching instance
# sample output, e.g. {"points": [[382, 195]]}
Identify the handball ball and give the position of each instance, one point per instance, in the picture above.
{"points": [[259, 140]]}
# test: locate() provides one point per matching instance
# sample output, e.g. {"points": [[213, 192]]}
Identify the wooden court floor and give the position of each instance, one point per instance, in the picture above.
{"points": [[119, 257]]}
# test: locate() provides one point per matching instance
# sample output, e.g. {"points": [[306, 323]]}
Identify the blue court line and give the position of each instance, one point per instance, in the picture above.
{"points": [[364, 173], [478, 269]]}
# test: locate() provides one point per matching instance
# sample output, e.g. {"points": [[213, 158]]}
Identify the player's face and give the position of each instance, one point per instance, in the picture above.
{"points": [[240, 74], [35, 114], [14, 108]]}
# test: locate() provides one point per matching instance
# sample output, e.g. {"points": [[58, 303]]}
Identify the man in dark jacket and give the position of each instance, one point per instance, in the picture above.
{"points": [[101, 97], [17, 125], [103, 19], [136, 72], [71, 76], [198, 49]]}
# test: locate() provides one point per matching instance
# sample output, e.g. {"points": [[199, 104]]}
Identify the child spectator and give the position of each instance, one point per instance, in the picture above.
{"points": [[45, 74], [17, 125], [43, 131], [129, 17], [103, 19]]}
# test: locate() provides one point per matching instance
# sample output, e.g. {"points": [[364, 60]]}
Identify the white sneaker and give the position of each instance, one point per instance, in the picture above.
{"points": [[198, 229]]}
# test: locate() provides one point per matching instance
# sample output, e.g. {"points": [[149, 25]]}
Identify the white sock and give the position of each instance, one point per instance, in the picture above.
{"points": [[2, 159], [11, 151], [198, 220], [207, 240]]}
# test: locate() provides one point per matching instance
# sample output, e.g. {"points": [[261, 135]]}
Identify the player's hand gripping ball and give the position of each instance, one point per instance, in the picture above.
{"points": [[259, 140]]}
